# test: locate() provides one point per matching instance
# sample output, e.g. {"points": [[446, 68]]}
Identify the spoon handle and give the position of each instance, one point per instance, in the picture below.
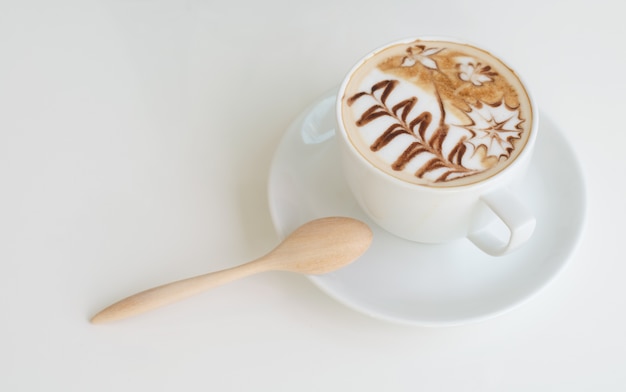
{"points": [[172, 292]]}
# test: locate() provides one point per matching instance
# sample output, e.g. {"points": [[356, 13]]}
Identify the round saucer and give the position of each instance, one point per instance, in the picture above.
{"points": [[419, 284]]}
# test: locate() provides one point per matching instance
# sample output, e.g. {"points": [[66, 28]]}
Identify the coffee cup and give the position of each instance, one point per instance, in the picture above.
{"points": [[435, 135]]}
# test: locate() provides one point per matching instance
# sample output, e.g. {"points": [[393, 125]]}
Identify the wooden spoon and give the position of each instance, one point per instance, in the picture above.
{"points": [[317, 247]]}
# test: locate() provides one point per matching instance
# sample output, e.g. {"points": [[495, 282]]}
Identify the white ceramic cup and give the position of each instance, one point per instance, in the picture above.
{"points": [[439, 214]]}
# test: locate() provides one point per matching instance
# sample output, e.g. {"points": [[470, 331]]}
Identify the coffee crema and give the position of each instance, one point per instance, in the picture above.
{"points": [[436, 113]]}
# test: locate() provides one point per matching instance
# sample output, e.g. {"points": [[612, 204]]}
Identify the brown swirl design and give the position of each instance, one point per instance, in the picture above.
{"points": [[417, 128], [487, 104]]}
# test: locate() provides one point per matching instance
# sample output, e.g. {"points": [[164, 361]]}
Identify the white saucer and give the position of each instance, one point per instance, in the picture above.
{"points": [[428, 285]]}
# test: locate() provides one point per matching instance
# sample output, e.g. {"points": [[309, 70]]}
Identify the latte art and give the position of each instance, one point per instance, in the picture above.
{"points": [[436, 113]]}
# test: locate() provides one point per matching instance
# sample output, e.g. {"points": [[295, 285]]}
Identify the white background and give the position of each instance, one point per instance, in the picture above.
{"points": [[135, 144]]}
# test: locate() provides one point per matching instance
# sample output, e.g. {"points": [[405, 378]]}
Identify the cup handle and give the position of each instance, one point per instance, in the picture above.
{"points": [[515, 216]]}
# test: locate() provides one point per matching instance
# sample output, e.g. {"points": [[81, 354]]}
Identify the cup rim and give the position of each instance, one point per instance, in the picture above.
{"points": [[501, 175]]}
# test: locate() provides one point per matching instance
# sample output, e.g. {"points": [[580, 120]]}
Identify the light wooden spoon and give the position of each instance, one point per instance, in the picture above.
{"points": [[317, 247]]}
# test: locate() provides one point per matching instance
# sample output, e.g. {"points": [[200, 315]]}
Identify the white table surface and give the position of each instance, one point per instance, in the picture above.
{"points": [[135, 144]]}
